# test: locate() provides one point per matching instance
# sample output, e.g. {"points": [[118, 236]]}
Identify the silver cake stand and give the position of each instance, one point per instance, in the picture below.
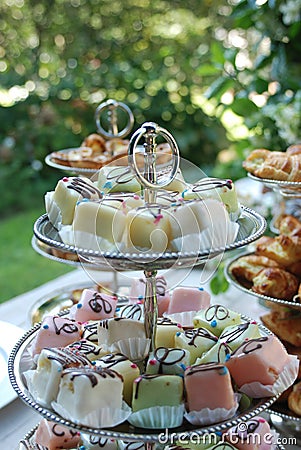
{"points": [[251, 226], [109, 112]]}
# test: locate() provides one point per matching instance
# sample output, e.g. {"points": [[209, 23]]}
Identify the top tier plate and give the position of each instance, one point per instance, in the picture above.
{"points": [[251, 226]]}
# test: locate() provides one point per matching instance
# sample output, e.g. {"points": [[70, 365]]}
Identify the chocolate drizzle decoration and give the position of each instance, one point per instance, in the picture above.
{"points": [[98, 303], [250, 346], [198, 332], [175, 355], [67, 327], [211, 183], [85, 189], [218, 312]]}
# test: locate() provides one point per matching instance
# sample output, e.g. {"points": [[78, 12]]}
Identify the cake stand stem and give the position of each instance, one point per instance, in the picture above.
{"points": [[150, 307]]}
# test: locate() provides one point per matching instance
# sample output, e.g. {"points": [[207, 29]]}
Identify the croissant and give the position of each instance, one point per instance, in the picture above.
{"points": [[276, 282], [294, 399], [289, 226], [285, 250], [96, 142], [294, 149], [287, 328], [247, 267], [280, 166]]}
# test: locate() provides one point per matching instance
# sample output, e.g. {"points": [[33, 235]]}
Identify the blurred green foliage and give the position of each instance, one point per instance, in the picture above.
{"points": [[185, 65]]}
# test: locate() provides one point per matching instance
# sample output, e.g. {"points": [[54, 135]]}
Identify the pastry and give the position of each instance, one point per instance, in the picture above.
{"points": [[95, 142], [53, 436], [287, 327], [294, 149], [247, 267], [56, 331], [126, 368], [261, 360], [214, 383], [94, 305], [289, 225], [197, 341], [285, 250], [294, 399], [168, 361], [274, 165], [276, 282], [216, 318]]}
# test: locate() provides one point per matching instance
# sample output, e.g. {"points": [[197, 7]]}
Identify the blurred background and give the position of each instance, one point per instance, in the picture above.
{"points": [[222, 76]]}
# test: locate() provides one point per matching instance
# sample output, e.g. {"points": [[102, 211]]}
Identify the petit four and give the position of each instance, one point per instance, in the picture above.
{"points": [[188, 299], [166, 331], [85, 391], [60, 203], [43, 382], [94, 305], [124, 367], [217, 400], [88, 349], [56, 331], [219, 353], [262, 366], [168, 361], [94, 442], [235, 335], [137, 292], [197, 341], [53, 436], [253, 434], [216, 318]]}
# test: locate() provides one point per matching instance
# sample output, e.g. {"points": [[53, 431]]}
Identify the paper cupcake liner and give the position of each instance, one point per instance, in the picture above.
{"points": [[83, 239], [134, 349], [53, 211], [185, 318], [285, 380], [217, 236], [158, 417], [100, 418], [208, 416]]}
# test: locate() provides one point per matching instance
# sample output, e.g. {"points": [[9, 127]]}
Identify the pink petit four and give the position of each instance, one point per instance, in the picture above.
{"points": [[188, 299], [56, 331], [94, 305], [263, 361], [137, 293], [209, 386], [254, 434], [54, 435]]}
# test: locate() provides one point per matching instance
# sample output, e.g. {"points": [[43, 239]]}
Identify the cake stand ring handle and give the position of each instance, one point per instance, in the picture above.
{"points": [[112, 106], [150, 131]]}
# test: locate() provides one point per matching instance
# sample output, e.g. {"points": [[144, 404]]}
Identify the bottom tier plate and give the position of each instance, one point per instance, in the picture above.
{"points": [[18, 364]]}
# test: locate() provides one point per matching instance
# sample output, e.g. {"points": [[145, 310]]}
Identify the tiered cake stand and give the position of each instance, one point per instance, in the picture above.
{"points": [[251, 227], [289, 193]]}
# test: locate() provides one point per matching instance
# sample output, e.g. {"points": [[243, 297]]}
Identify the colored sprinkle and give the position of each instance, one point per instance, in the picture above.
{"points": [[183, 366], [46, 327], [134, 366], [254, 322], [261, 419], [213, 323], [117, 309], [201, 289], [65, 179], [152, 362], [59, 369], [183, 193], [140, 302], [85, 200], [179, 325], [140, 297], [79, 305], [107, 185], [227, 357], [178, 333], [158, 218], [136, 197], [93, 363], [137, 380], [223, 371]]}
